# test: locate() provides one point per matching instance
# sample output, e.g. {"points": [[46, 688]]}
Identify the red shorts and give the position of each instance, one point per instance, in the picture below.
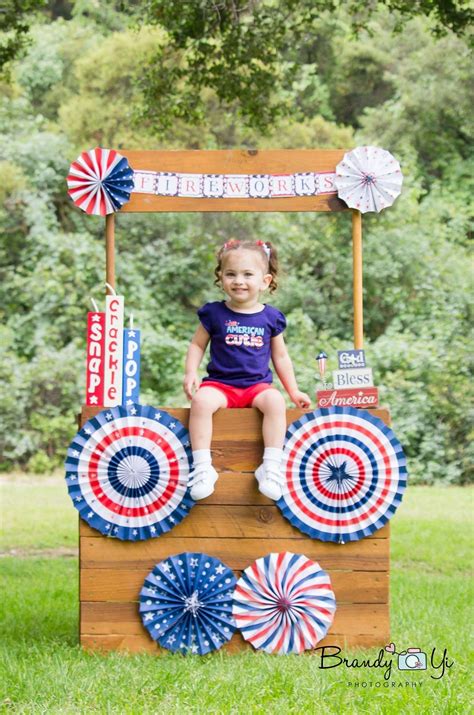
{"points": [[238, 396]]}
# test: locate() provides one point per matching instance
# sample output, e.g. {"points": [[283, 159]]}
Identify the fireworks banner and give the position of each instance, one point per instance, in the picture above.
{"points": [[233, 186]]}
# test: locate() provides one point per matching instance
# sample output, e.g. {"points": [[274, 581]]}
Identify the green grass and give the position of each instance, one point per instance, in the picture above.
{"points": [[36, 514], [44, 671]]}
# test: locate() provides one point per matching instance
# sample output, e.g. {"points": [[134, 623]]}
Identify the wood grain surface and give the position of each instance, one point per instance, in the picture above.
{"points": [[241, 161], [237, 525]]}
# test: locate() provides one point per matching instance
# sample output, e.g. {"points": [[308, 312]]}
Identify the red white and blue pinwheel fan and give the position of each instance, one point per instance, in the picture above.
{"points": [[345, 474], [284, 603], [127, 472], [100, 181], [186, 603]]}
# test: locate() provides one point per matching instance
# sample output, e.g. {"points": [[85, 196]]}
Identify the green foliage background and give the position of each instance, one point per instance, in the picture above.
{"points": [[80, 84]]}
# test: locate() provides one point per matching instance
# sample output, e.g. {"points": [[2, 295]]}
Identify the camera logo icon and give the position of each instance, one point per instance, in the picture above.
{"points": [[413, 659], [409, 659]]}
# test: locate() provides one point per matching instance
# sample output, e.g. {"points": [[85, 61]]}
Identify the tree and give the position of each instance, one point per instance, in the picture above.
{"points": [[14, 27], [236, 47]]}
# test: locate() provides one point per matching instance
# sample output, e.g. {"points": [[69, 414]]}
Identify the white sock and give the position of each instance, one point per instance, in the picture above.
{"points": [[202, 456], [272, 457]]}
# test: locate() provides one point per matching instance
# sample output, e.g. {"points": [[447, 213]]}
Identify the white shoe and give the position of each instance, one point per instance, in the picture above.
{"points": [[270, 483], [202, 480]]}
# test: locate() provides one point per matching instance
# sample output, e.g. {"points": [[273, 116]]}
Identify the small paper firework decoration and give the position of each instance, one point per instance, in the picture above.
{"points": [[368, 179], [186, 603], [284, 603], [100, 181]]}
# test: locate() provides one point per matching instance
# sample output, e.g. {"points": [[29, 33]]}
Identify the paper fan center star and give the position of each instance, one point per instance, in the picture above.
{"points": [[283, 604], [192, 603], [339, 474], [133, 471]]}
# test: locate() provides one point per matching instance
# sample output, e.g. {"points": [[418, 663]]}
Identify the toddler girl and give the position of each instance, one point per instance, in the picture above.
{"points": [[244, 333]]}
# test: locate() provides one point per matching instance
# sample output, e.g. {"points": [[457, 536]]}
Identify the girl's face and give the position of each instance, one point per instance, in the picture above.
{"points": [[243, 277]]}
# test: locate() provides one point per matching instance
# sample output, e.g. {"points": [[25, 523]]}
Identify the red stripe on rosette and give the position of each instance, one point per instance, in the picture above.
{"points": [[313, 633], [261, 634], [248, 595], [305, 588], [98, 158], [88, 161], [279, 562], [302, 643], [110, 160], [102, 205], [314, 607], [338, 521], [305, 565], [281, 640], [348, 453], [95, 485], [261, 579]]}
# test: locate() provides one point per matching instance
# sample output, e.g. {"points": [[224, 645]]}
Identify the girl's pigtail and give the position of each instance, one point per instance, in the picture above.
{"points": [[272, 265]]}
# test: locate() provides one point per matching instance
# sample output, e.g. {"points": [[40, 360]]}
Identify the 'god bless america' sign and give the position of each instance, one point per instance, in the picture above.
{"points": [[233, 186]]}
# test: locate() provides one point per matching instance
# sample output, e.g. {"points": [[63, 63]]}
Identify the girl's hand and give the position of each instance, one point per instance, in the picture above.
{"points": [[300, 399], [190, 384]]}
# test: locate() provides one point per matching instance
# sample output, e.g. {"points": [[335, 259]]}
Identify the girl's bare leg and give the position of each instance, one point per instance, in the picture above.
{"points": [[203, 477], [272, 404], [204, 403]]}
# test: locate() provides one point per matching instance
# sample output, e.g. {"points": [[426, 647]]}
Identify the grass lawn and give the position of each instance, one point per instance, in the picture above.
{"points": [[42, 669]]}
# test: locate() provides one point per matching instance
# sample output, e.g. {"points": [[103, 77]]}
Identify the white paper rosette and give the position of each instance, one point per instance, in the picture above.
{"points": [[368, 179]]}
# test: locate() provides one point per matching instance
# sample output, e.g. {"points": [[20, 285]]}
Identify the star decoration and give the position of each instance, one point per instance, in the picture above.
{"points": [[108, 416], [194, 562], [220, 569], [133, 411], [166, 567]]}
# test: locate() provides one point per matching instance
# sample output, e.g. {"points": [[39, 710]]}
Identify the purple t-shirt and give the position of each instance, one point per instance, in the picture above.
{"points": [[240, 343]]}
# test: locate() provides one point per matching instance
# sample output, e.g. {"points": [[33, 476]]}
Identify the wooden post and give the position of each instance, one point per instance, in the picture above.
{"points": [[110, 250], [357, 279]]}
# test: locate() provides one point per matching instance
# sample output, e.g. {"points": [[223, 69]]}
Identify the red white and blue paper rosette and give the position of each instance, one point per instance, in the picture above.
{"points": [[284, 603], [100, 181], [127, 472], [345, 474], [186, 603]]}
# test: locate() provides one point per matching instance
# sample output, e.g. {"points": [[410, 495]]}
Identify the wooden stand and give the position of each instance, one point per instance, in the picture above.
{"points": [[236, 524]]}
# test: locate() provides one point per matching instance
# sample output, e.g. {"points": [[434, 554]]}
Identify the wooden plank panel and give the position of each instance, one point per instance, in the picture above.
{"points": [[237, 443], [121, 585], [245, 161], [144, 644], [238, 424], [109, 618], [219, 521], [366, 555], [235, 424]]}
